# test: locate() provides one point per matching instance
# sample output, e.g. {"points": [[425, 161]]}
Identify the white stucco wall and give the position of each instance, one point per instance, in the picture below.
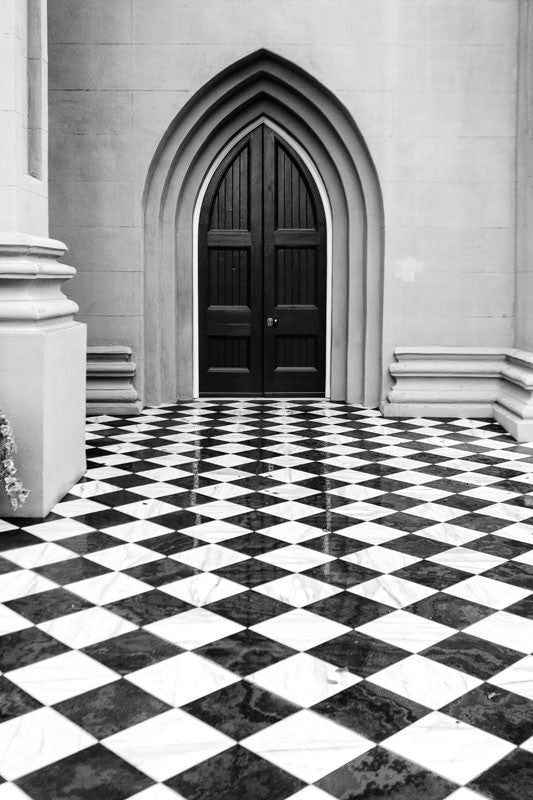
{"points": [[524, 195], [23, 198], [430, 83]]}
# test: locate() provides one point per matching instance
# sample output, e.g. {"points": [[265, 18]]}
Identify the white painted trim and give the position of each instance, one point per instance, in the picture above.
{"points": [[304, 155]]}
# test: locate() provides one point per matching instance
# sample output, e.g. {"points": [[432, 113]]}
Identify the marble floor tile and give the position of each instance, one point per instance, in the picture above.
{"points": [[517, 678], [182, 678], [297, 590], [194, 628], [451, 748], [407, 630], [36, 739], [303, 679], [86, 627], [307, 745], [379, 774], [167, 744], [274, 600], [300, 629], [60, 677], [505, 629], [392, 591], [424, 681], [199, 590]]}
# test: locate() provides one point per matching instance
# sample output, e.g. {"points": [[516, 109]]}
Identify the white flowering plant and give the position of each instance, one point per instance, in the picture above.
{"points": [[15, 491]]}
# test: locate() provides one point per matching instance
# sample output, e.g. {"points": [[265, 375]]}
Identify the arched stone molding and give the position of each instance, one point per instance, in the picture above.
{"points": [[263, 85]]}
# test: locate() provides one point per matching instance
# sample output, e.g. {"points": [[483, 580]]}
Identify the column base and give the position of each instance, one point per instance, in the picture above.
{"points": [[42, 364]]}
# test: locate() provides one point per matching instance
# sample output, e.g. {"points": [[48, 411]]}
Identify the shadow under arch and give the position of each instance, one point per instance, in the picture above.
{"points": [[263, 85]]}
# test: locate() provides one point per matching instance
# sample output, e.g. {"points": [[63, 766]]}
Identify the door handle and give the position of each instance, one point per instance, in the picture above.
{"points": [[271, 322]]}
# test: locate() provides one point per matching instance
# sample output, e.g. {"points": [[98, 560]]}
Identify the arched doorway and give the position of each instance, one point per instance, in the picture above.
{"points": [[261, 86], [262, 284]]}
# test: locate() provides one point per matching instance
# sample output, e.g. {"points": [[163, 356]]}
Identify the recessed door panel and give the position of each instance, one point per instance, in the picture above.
{"points": [[262, 274]]}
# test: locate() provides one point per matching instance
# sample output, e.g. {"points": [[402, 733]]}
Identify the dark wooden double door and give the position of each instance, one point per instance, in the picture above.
{"points": [[262, 274]]}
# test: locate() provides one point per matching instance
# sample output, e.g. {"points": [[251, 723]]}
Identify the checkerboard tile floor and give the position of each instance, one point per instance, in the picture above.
{"points": [[268, 600]]}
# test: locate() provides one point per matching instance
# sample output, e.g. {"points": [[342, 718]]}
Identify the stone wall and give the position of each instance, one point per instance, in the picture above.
{"points": [[23, 54], [524, 238], [430, 83]]}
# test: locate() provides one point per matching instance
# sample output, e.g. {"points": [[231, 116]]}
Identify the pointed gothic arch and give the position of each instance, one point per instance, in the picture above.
{"points": [[263, 85]]}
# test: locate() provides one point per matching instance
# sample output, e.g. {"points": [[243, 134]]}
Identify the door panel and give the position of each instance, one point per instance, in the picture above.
{"points": [[294, 274], [230, 270], [262, 255]]}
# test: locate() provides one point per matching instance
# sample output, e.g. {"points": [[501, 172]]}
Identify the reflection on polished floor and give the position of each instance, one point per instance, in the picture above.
{"points": [[272, 600]]}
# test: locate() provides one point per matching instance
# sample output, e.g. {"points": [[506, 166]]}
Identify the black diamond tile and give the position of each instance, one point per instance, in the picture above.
{"points": [[524, 607], [171, 543], [401, 521], [241, 709], [416, 546], [48, 605], [509, 779], [450, 610], [236, 774], [93, 772], [385, 485], [248, 608], [119, 498], [254, 544], [255, 520], [92, 542], [13, 701], [328, 521], [498, 546], [107, 518], [526, 501], [245, 652], [359, 653], [496, 711], [436, 576], [27, 647], [335, 544], [324, 501], [341, 574], [11, 540], [349, 609], [382, 775], [450, 486], [111, 708], [72, 570], [142, 609], [251, 573], [161, 572], [397, 502], [370, 710], [131, 481], [480, 522], [131, 651], [463, 502], [514, 573], [7, 566], [473, 655], [179, 520]]}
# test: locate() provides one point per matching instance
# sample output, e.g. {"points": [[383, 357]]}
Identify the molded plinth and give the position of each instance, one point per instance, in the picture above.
{"points": [[42, 368], [464, 382]]}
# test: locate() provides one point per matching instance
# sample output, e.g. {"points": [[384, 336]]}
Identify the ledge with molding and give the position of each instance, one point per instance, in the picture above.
{"points": [[474, 382], [110, 373]]}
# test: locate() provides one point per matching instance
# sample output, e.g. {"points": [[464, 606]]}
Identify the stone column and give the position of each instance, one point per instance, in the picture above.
{"points": [[42, 349]]}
